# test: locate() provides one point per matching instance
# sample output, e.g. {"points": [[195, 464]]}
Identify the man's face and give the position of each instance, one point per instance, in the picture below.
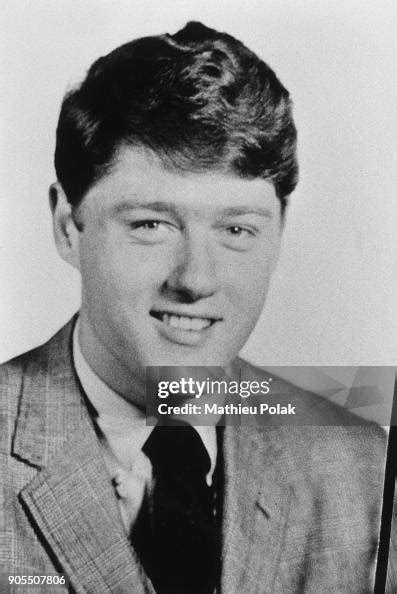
{"points": [[175, 266]]}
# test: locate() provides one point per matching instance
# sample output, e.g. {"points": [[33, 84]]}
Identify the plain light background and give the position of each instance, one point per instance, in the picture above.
{"points": [[334, 296]]}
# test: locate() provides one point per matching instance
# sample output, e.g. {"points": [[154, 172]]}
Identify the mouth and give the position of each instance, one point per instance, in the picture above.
{"points": [[184, 322]]}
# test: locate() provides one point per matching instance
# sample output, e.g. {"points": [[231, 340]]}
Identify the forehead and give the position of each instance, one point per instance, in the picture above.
{"points": [[139, 178]]}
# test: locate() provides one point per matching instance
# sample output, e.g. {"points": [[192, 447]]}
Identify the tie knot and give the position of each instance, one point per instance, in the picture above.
{"points": [[177, 449]]}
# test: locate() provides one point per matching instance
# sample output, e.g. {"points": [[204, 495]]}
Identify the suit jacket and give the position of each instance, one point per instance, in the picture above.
{"points": [[301, 505]]}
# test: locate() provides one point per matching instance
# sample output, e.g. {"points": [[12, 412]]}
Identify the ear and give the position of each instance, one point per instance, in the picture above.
{"points": [[66, 234]]}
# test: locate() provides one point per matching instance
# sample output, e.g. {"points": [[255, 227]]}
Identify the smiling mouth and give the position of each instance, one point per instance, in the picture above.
{"points": [[189, 323]]}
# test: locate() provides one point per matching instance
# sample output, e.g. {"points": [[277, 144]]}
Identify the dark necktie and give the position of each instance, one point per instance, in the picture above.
{"points": [[175, 534]]}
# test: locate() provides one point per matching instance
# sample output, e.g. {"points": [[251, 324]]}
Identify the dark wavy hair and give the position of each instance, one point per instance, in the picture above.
{"points": [[199, 99]]}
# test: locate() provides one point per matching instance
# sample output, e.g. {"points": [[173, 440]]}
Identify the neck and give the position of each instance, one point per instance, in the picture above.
{"points": [[108, 367]]}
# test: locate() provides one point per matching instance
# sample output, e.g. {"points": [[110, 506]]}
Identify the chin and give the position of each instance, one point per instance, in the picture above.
{"points": [[185, 359]]}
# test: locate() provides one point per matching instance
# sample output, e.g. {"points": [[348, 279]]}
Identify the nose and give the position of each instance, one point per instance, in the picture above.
{"points": [[194, 275]]}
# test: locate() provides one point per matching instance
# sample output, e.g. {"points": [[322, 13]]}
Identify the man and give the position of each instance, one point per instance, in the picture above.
{"points": [[174, 159]]}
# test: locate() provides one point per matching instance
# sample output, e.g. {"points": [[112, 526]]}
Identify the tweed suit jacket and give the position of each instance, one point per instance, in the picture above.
{"points": [[301, 505]]}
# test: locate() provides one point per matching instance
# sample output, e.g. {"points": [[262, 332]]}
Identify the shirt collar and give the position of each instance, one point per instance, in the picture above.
{"points": [[117, 417]]}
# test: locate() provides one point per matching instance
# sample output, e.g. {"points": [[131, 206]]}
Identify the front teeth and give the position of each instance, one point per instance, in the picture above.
{"points": [[186, 323]]}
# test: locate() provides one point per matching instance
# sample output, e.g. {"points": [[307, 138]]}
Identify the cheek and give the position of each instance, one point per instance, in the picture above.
{"points": [[247, 278], [251, 294], [120, 272]]}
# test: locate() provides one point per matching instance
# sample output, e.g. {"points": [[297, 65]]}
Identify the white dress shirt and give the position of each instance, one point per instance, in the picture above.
{"points": [[124, 432]]}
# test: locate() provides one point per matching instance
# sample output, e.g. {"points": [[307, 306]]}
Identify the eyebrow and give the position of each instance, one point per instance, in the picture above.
{"points": [[158, 205], [233, 211], [167, 207]]}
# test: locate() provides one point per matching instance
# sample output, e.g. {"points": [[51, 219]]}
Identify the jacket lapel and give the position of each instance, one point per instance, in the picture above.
{"points": [[73, 504], [71, 499], [255, 512]]}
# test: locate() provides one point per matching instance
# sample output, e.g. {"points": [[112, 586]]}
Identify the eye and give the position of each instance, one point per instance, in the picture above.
{"points": [[238, 231], [151, 230], [239, 237], [147, 225]]}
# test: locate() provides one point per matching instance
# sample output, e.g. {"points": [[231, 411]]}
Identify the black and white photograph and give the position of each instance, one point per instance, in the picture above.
{"points": [[198, 313]]}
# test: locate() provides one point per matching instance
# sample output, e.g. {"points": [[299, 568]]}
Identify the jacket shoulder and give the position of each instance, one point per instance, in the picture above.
{"points": [[321, 430], [28, 364], [11, 381], [313, 408]]}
